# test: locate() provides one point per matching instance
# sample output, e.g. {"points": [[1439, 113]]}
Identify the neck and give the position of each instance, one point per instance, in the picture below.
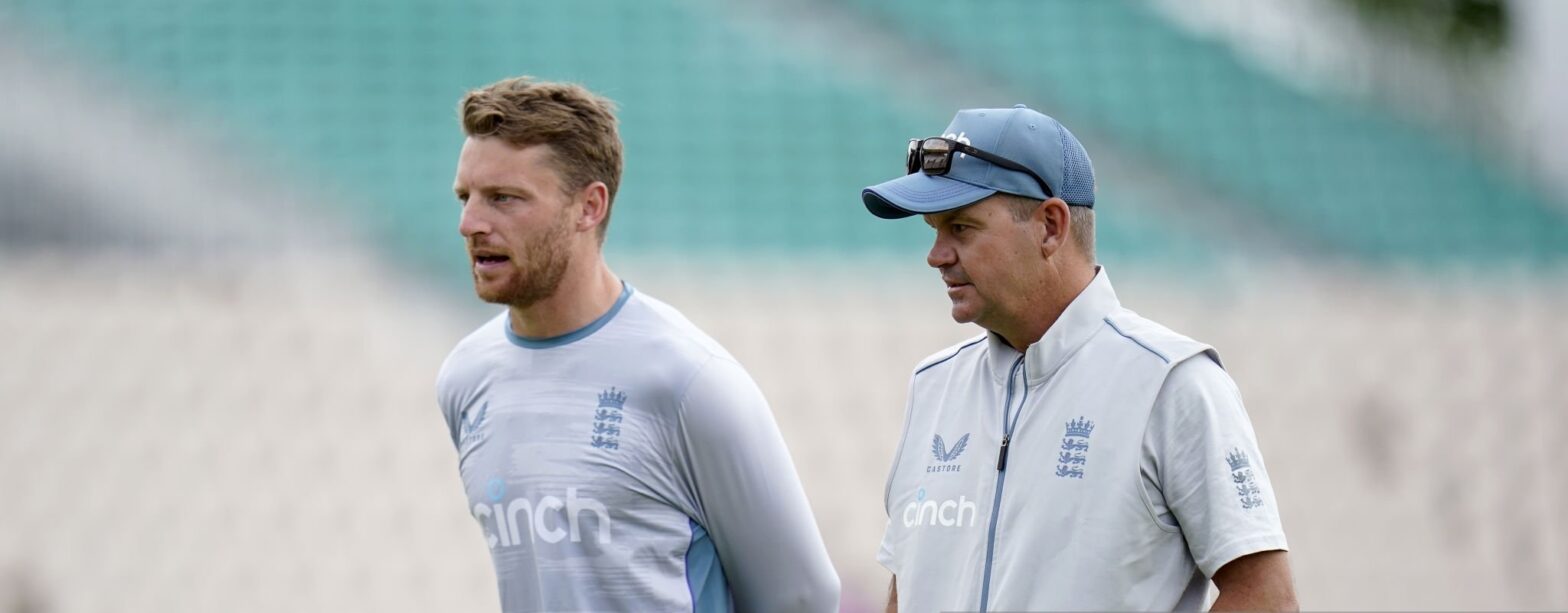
{"points": [[1050, 299], [585, 294]]}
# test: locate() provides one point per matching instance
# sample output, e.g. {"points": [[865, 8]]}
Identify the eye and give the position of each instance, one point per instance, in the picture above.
{"points": [[500, 198]]}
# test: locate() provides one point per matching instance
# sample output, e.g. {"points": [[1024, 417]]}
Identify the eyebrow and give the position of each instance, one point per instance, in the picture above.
{"points": [[962, 217], [491, 189], [941, 218]]}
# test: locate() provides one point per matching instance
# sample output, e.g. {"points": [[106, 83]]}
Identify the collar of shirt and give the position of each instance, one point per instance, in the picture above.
{"points": [[1078, 323]]}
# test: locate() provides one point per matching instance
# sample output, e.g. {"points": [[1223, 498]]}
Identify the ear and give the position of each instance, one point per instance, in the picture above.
{"points": [[595, 200], [1053, 219]]}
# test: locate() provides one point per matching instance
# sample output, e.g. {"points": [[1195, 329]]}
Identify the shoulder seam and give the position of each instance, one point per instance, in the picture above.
{"points": [[695, 372], [1143, 493], [1161, 356], [954, 355], [898, 454], [712, 349]]}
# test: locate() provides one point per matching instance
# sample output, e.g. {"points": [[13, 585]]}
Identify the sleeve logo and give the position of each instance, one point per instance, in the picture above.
{"points": [[1241, 476]]}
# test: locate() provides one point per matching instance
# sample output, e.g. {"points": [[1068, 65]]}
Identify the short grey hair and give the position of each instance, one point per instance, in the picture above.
{"points": [[1082, 221]]}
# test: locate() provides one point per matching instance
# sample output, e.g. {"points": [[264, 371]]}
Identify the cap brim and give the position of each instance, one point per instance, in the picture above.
{"points": [[919, 194]]}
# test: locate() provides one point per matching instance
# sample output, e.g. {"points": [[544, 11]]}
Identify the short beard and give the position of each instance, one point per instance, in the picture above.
{"points": [[539, 272]]}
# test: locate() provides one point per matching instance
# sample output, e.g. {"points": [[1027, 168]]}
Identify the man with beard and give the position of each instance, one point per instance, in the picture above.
{"points": [[615, 457]]}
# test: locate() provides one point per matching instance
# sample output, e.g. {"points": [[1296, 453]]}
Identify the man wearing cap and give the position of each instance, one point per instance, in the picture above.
{"points": [[1075, 456]]}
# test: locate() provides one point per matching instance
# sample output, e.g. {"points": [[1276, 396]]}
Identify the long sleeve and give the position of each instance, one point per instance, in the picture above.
{"points": [[750, 499]]}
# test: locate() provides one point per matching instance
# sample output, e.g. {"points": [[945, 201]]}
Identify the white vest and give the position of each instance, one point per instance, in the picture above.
{"points": [[1068, 522]]}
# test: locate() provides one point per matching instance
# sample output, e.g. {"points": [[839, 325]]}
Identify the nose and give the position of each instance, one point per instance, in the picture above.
{"points": [[471, 221], [941, 254]]}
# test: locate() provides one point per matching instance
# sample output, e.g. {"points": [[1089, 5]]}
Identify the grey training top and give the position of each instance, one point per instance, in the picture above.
{"points": [[629, 465], [1131, 472]]}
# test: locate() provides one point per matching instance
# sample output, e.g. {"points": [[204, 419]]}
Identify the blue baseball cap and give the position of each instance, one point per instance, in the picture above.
{"points": [[1020, 134]]}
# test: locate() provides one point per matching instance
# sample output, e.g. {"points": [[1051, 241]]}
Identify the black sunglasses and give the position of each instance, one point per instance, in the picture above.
{"points": [[934, 156]]}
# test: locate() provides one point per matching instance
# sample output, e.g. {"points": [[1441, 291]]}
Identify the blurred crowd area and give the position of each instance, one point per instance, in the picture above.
{"points": [[229, 267]]}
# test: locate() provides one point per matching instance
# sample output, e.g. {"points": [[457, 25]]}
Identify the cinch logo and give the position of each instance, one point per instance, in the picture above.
{"points": [[948, 513], [506, 524]]}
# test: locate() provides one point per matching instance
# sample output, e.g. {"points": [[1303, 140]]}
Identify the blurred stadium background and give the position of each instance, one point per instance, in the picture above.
{"points": [[229, 266]]}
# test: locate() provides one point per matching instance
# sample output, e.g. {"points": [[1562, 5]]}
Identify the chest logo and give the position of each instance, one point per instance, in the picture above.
{"points": [[1241, 476], [607, 420], [1075, 449], [548, 519], [945, 456], [945, 513]]}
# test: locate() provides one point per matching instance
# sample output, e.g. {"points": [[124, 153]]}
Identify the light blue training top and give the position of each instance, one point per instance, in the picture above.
{"points": [[629, 465]]}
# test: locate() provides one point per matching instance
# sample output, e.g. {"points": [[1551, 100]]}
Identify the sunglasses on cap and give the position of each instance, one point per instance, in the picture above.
{"points": [[934, 156]]}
